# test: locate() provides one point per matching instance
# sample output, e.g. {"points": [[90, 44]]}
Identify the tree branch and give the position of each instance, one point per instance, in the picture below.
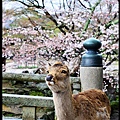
{"points": [[57, 25], [88, 21], [37, 6], [83, 5], [111, 23]]}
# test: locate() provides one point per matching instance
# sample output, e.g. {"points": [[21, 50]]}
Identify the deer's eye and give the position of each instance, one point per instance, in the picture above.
{"points": [[47, 71], [63, 71]]}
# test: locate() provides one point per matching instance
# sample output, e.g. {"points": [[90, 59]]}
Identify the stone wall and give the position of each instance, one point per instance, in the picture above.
{"points": [[35, 89]]}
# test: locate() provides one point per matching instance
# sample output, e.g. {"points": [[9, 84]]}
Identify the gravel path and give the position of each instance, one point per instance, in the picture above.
{"points": [[11, 68]]}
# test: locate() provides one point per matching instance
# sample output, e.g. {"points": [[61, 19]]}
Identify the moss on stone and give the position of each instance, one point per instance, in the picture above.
{"points": [[36, 93]]}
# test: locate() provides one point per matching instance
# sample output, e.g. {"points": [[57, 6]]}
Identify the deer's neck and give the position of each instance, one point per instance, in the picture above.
{"points": [[63, 105]]}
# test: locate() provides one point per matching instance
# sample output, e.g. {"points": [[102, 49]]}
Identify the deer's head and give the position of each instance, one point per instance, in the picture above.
{"points": [[57, 78]]}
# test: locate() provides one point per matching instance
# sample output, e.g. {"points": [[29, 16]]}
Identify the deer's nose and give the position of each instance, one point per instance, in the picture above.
{"points": [[49, 77]]}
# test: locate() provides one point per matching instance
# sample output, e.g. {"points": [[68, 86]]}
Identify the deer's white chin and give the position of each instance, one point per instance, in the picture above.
{"points": [[49, 83]]}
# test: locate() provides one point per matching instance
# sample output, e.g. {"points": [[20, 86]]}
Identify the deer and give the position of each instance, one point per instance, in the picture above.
{"points": [[92, 104]]}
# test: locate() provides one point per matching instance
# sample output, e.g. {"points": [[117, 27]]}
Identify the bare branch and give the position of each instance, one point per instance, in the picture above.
{"points": [[54, 9], [114, 59], [33, 5], [25, 4], [52, 18], [83, 5], [107, 25], [63, 4], [43, 3], [69, 5], [60, 4]]}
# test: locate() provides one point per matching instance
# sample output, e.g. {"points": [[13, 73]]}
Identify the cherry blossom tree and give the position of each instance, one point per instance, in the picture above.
{"points": [[45, 33]]}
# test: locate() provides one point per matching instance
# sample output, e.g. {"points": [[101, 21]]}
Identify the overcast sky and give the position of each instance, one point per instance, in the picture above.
{"points": [[48, 5]]}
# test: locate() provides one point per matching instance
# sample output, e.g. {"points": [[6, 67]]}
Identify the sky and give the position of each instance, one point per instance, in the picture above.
{"points": [[10, 5], [48, 6], [17, 5]]}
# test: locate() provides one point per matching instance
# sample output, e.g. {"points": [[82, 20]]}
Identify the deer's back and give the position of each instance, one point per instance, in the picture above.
{"points": [[92, 104]]}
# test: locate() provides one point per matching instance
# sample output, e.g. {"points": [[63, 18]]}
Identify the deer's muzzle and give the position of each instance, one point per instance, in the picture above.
{"points": [[49, 77]]}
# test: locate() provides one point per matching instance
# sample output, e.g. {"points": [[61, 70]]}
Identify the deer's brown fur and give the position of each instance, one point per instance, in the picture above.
{"points": [[91, 104]]}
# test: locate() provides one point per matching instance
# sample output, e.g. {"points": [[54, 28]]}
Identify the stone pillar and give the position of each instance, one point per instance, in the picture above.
{"points": [[29, 113], [91, 68]]}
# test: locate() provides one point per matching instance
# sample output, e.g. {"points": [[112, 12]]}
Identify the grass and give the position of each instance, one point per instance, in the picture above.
{"points": [[115, 103], [35, 93]]}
